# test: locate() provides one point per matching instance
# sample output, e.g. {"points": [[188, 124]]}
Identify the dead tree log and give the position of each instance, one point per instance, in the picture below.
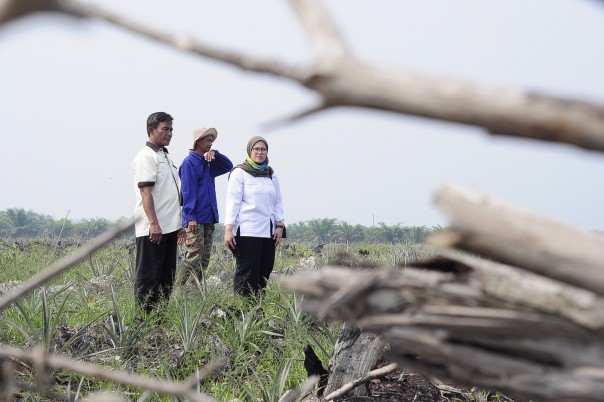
{"points": [[472, 320]]}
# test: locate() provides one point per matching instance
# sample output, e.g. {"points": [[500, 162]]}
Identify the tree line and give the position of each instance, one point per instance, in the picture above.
{"points": [[331, 230], [19, 223]]}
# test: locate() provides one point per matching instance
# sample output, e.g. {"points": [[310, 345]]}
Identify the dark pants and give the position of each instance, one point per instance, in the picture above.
{"points": [[255, 260], [155, 268]]}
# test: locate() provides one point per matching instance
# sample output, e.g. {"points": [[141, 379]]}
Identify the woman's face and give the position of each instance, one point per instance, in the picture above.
{"points": [[259, 152]]}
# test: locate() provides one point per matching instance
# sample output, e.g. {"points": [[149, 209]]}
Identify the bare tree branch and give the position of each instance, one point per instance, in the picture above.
{"points": [[271, 125], [44, 361], [349, 83], [13, 9], [343, 81], [517, 237], [106, 397], [363, 282], [327, 43], [66, 263], [444, 388], [188, 44], [294, 395], [505, 282]]}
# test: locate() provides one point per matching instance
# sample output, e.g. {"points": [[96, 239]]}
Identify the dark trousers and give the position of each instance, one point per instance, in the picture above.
{"points": [[255, 260], [155, 268]]}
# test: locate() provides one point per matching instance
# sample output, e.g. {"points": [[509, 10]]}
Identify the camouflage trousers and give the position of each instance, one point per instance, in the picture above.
{"points": [[197, 256]]}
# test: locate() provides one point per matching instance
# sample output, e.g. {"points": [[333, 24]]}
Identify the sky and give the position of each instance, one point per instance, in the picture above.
{"points": [[76, 95]]}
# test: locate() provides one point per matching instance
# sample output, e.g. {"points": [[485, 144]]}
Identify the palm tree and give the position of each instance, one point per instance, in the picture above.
{"points": [[351, 233], [417, 234], [22, 223], [389, 234], [324, 229], [94, 227], [300, 232]]}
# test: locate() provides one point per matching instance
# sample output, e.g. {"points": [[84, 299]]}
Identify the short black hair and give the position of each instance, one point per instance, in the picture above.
{"points": [[156, 118]]}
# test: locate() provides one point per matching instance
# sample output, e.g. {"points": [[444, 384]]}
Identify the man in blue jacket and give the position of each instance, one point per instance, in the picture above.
{"points": [[199, 209]]}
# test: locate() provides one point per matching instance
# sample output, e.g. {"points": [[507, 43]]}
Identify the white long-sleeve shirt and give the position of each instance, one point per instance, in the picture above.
{"points": [[252, 203]]}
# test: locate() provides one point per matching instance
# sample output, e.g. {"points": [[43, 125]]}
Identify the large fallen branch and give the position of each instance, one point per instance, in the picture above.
{"points": [[451, 327], [512, 235], [342, 80], [45, 361], [475, 321]]}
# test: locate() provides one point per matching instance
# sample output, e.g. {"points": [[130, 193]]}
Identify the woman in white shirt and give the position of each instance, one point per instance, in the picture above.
{"points": [[254, 221]]}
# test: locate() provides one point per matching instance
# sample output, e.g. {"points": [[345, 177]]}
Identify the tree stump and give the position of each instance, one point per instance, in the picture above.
{"points": [[355, 354]]}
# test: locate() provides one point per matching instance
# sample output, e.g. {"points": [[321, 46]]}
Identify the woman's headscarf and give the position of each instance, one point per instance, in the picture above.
{"points": [[253, 168]]}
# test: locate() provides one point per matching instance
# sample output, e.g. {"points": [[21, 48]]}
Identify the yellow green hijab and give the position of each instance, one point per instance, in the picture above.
{"points": [[253, 168]]}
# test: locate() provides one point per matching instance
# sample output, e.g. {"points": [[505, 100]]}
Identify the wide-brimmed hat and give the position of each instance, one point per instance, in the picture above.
{"points": [[203, 132]]}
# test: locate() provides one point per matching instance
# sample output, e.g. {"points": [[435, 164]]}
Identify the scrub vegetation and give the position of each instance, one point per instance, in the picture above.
{"points": [[89, 313]]}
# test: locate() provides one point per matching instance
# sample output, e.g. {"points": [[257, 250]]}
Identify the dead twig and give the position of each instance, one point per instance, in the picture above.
{"points": [[377, 373], [293, 395], [45, 361], [444, 388]]}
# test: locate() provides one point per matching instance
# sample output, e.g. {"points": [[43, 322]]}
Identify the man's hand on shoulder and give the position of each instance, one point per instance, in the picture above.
{"points": [[210, 155]]}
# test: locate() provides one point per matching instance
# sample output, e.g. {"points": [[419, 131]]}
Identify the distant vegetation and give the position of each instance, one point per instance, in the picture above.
{"points": [[18, 223]]}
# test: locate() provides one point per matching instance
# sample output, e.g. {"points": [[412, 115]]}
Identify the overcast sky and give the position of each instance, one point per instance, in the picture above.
{"points": [[76, 95]]}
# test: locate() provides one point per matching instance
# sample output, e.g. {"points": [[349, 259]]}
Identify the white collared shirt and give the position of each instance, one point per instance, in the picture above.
{"points": [[151, 166], [252, 203]]}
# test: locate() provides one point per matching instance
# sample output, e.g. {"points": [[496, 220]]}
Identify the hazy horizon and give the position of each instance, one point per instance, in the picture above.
{"points": [[77, 94]]}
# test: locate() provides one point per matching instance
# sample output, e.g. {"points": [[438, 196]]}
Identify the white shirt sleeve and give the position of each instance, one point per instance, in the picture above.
{"points": [[234, 197], [279, 216], [145, 168]]}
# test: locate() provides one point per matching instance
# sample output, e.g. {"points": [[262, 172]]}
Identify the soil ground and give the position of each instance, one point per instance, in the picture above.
{"points": [[405, 386], [401, 386]]}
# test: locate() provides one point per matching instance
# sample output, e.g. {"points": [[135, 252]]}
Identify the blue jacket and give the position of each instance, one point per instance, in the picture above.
{"points": [[198, 187]]}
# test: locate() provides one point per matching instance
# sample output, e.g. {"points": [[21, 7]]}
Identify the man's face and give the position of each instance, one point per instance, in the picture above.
{"points": [[161, 135], [205, 144]]}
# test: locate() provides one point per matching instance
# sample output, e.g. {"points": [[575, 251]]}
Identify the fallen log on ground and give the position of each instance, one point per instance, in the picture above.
{"points": [[526, 330]]}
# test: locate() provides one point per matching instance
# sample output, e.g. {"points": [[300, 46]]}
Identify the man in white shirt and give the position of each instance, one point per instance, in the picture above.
{"points": [[158, 215]]}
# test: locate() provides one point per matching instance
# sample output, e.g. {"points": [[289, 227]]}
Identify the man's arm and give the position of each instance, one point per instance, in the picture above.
{"points": [[155, 232], [220, 165], [189, 185]]}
